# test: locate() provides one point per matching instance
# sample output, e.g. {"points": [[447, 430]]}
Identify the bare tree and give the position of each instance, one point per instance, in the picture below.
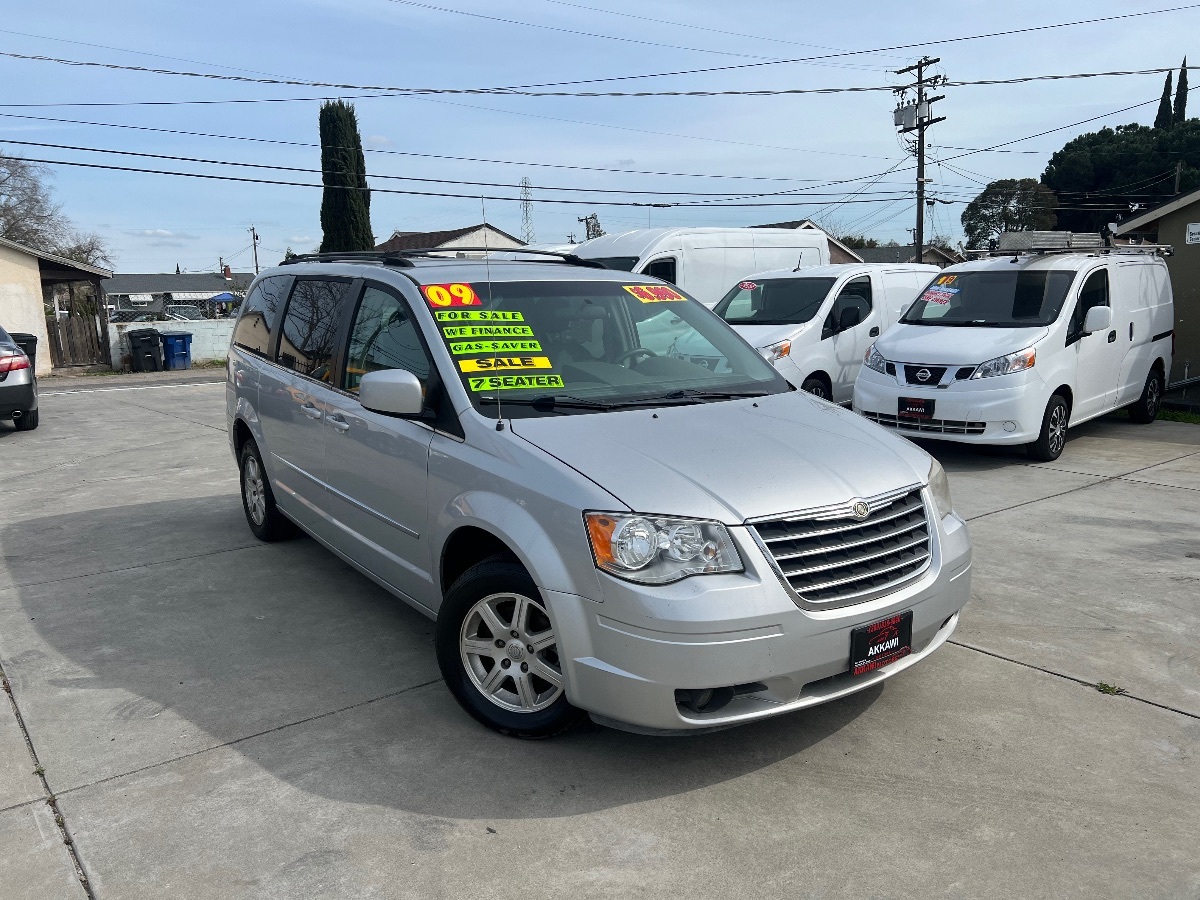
{"points": [[29, 215]]}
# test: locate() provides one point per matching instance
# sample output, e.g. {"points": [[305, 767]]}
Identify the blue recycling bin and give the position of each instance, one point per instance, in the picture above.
{"points": [[177, 350]]}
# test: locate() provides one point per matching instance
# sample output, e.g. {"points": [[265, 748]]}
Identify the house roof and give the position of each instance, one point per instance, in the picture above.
{"points": [[1157, 212], [58, 262], [902, 253], [810, 224], [417, 240], [169, 282]]}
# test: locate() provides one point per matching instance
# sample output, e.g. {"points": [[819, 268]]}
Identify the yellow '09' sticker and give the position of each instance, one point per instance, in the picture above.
{"points": [[654, 293], [502, 363], [513, 382]]}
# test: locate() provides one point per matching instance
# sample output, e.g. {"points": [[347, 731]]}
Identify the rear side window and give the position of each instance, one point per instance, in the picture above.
{"points": [[310, 328], [260, 316]]}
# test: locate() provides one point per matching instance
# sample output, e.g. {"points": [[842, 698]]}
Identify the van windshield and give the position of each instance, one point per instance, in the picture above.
{"points": [[774, 301], [621, 263], [548, 348], [992, 299]]}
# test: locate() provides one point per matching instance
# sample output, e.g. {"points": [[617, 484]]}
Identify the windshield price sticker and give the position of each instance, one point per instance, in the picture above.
{"points": [[496, 363], [654, 293], [514, 382], [440, 296], [486, 331], [477, 315], [939, 295], [945, 279], [463, 347], [748, 286]]}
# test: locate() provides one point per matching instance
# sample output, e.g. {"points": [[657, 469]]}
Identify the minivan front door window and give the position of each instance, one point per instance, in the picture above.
{"points": [[852, 306], [1093, 293], [663, 268], [310, 327], [992, 298], [384, 336]]}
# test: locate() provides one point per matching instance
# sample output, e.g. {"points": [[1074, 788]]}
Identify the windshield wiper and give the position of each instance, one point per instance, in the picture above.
{"points": [[550, 402]]}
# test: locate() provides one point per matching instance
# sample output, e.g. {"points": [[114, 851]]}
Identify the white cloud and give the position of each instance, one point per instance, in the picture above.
{"points": [[378, 140], [302, 239]]}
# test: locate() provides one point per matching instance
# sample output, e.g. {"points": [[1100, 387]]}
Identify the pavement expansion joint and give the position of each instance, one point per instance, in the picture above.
{"points": [[48, 796], [1076, 679], [249, 737]]}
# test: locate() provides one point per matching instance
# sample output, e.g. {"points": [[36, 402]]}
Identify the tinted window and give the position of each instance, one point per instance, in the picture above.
{"points": [[384, 336], [260, 314], [662, 268], [774, 301], [623, 263], [854, 295], [310, 327], [996, 298], [1093, 293]]}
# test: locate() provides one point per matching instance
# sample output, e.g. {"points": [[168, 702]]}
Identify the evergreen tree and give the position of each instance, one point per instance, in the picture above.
{"points": [[1164, 117], [1181, 94], [346, 202]]}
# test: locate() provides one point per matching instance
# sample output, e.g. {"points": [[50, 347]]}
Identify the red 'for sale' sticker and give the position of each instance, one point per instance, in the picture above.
{"points": [[748, 286]]}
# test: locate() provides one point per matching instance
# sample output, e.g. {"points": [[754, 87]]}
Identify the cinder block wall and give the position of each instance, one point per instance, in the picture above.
{"points": [[210, 338]]}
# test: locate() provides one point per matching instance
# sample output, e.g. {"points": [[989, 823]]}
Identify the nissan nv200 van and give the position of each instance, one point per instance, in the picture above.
{"points": [[1016, 348], [491, 442]]}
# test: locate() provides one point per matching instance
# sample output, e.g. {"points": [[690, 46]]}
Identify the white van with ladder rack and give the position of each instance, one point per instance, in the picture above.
{"points": [[1050, 330]]}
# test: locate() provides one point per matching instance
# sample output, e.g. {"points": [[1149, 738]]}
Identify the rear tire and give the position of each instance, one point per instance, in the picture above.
{"points": [[491, 617], [817, 388], [27, 421], [258, 500], [1049, 445], [1145, 410]]}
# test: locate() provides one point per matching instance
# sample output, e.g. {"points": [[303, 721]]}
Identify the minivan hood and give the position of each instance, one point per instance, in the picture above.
{"points": [[766, 335], [731, 460], [952, 345]]}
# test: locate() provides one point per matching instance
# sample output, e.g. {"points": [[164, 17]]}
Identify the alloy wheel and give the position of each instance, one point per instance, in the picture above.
{"points": [[1058, 428], [255, 491], [1153, 396], [510, 652]]}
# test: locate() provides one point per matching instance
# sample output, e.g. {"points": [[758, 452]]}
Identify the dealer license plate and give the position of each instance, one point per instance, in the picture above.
{"points": [[915, 408], [876, 644]]}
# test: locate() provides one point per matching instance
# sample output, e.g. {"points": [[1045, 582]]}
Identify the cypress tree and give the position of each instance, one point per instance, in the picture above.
{"points": [[1181, 94], [1163, 119], [346, 202]]}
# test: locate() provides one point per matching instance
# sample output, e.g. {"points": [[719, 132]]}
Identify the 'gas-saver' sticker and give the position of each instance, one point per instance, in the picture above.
{"points": [[748, 286], [443, 295], [461, 347], [654, 293], [486, 331], [498, 363], [513, 382], [477, 315]]}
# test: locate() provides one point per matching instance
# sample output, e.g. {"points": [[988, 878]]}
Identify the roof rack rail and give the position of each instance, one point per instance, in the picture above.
{"points": [[403, 258], [1119, 249]]}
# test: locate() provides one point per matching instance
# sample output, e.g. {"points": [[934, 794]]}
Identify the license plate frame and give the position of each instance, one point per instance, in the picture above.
{"points": [[915, 407], [867, 642]]}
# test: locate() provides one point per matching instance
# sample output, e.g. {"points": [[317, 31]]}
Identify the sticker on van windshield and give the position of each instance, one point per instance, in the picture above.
{"points": [[497, 363], [945, 279], [747, 286], [486, 331], [477, 315], [459, 348], [939, 295], [654, 293], [443, 295], [514, 382]]}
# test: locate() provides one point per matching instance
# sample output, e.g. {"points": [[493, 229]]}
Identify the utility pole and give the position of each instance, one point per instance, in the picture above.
{"points": [[591, 225], [1178, 173], [527, 211], [254, 238], [917, 115]]}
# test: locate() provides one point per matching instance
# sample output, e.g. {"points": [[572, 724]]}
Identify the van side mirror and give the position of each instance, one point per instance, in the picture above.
{"points": [[393, 392], [1098, 318], [849, 317]]}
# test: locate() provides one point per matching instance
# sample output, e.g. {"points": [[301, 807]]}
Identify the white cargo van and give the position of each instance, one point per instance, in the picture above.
{"points": [[706, 261], [1014, 349], [816, 324]]}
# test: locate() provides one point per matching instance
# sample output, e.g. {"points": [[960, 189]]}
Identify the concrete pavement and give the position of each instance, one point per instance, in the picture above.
{"points": [[222, 718]]}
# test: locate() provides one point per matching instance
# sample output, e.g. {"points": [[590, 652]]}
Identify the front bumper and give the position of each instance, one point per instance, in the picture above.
{"points": [[629, 653], [969, 412]]}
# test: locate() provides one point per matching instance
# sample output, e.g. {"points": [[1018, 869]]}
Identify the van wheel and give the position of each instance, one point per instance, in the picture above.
{"points": [[499, 653], [816, 387], [27, 421], [1145, 410], [1049, 445], [258, 500]]}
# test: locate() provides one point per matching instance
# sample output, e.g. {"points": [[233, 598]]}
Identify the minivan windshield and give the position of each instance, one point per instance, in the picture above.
{"points": [[550, 347], [774, 301], [992, 299]]}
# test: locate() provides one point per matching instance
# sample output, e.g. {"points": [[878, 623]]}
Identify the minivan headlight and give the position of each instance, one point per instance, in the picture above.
{"points": [[1006, 365], [939, 488], [874, 360], [776, 351], [658, 549]]}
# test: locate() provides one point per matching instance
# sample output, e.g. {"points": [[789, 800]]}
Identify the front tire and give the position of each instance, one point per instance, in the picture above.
{"points": [[27, 421], [1049, 445], [499, 653], [816, 387], [258, 500], [1145, 410]]}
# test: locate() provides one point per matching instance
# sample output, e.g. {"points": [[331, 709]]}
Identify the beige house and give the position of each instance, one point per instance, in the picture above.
{"points": [[26, 278], [472, 236]]}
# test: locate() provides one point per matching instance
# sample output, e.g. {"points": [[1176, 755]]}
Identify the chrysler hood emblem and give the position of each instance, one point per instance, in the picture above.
{"points": [[860, 509]]}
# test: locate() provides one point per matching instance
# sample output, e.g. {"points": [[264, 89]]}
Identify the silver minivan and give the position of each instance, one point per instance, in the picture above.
{"points": [[595, 527]]}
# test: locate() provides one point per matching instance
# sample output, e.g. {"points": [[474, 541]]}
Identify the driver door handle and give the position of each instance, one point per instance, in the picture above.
{"points": [[311, 411], [338, 424], [874, 332]]}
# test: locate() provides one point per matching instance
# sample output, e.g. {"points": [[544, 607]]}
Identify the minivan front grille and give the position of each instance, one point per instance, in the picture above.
{"points": [[933, 374], [929, 426], [834, 558]]}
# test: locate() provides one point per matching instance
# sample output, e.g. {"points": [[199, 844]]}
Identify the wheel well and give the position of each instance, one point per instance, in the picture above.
{"points": [[822, 377], [466, 547], [1162, 368], [1065, 391], [241, 434]]}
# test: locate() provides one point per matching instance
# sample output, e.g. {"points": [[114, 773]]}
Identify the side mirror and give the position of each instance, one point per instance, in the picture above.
{"points": [[393, 392], [1098, 318], [850, 317]]}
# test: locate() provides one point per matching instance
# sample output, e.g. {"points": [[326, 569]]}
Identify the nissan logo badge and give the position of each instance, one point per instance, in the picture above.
{"points": [[924, 375]]}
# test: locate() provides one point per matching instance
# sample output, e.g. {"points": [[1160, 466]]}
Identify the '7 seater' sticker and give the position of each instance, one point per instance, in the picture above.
{"points": [[654, 293], [486, 331], [459, 348], [498, 363], [513, 382]]}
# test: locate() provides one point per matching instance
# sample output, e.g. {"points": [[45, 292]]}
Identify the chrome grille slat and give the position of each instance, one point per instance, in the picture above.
{"points": [[822, 532], [928, 426], [829, 559]]}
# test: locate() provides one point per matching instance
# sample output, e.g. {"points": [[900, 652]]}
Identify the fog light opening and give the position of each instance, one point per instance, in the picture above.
{"points": [[1010, 426], [703, 700]]}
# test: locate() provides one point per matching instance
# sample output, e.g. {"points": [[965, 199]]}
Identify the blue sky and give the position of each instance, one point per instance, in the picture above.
{"points": [[154, 222]]}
